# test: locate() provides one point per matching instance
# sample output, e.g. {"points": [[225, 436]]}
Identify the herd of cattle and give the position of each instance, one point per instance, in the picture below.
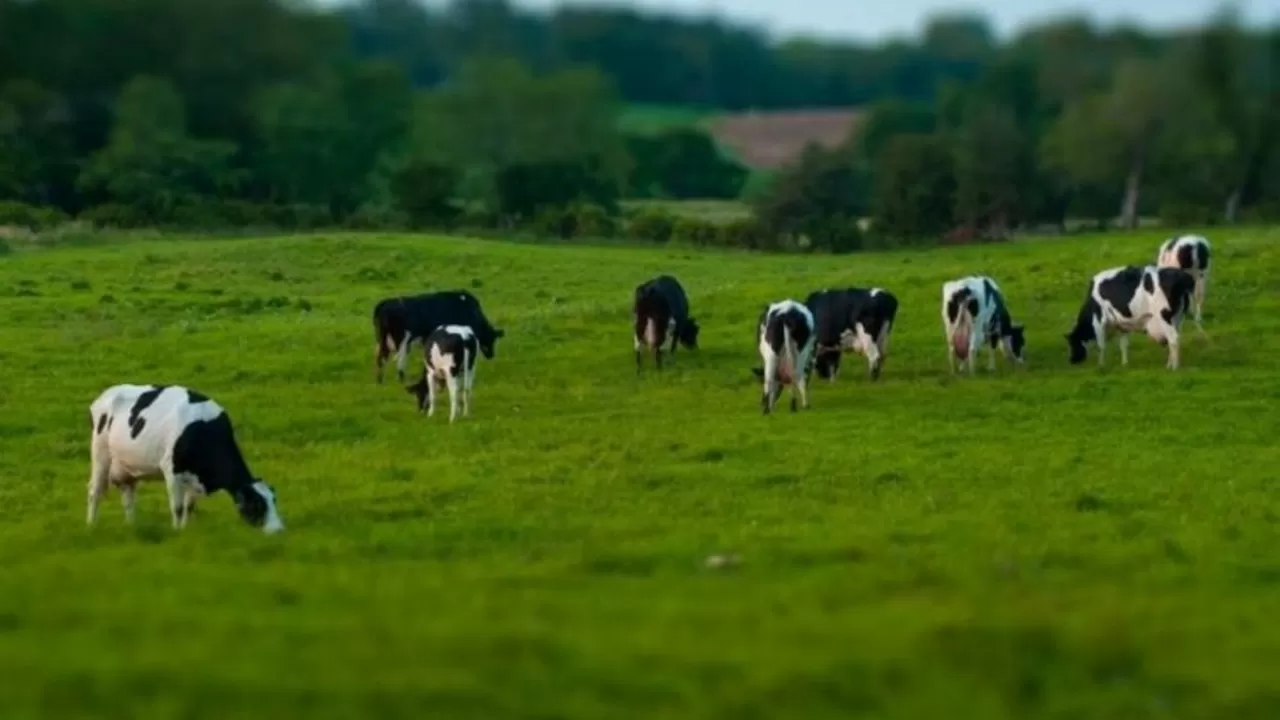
{"points": [[142, 432]]}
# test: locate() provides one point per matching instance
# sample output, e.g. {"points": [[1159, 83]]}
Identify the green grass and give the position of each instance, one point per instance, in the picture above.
{"points": [[713, 211], [1064, 542]]}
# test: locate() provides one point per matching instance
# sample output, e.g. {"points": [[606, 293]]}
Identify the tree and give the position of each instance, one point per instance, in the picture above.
{"points": [[993, 174], [915, 188], [150, 163], [819, 197], [1114, 137], [36, 158], [1239, 77]]}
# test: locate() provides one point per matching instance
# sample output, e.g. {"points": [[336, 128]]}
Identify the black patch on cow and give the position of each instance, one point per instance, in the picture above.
{"points": [[144, 401], [208, 450], [1083, 332], [962, 299], [102, 422], [1187, 256], [1178, 287], [1203, 251], [1148, 283], [837, 312], [1119, 289], [195, 398]]}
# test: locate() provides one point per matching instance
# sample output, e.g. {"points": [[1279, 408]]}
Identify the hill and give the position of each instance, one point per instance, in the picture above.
{"points": [[1063, 541]]}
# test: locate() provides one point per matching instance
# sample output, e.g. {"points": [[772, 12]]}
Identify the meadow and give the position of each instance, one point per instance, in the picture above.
{"points": [[1058, 542]]}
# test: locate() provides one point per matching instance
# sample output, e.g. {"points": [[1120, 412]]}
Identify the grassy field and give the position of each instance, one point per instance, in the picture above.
{"points": [[1064, 542]]}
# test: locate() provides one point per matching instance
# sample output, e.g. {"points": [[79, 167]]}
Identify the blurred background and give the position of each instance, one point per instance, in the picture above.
{"points": [[756, 123]]}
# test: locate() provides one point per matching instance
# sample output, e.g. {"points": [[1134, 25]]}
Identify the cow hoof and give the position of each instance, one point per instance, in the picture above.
{"points": [[794, 406]]}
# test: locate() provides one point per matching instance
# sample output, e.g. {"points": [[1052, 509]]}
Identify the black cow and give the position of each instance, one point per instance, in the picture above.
{"points": [[660, 307], [398, 321], [1129, 298], [848, 320]]}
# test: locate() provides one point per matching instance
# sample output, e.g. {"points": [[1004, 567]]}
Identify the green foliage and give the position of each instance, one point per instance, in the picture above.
{"points": [[914, 189], [525, 188], [682, 163], [29, 216], [695, 232], [591, 543], [819, 199], [115, 215], [574, 221], [651, 225], [425, 192], [150, 163]]}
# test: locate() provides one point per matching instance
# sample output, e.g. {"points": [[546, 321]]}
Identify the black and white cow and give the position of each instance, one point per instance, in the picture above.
{"points": [[1131, 298], [661, 307], [973, 312], [1190, 253], [849, 320], [141, 432], [451, 360], [786, 339], [398, 321]]}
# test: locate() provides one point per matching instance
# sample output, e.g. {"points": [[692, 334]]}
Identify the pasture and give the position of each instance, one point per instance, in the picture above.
{"points": [[1062, 542]]}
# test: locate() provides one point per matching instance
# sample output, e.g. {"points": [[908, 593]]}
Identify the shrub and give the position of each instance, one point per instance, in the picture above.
{"points": [[113, 215], [592, 221], [746, 233], [651, 226], [301, 216], [693, 231], [424, 193], [30, 216], [377, 217], [1184, 213]]}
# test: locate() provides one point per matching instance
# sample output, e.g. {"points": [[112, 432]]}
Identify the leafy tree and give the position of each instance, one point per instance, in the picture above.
{"points": [[915, 187], [993, 173], [36, 159], [820, 197], [150, 162], [682, 163]]}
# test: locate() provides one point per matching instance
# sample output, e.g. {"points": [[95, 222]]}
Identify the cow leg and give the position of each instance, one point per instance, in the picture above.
{"points": [[1171, 338], [402, 355], [379, 360], [770, 370], [639, 355], [1101, 336], [453, 394], [657, 356], [468, 382], [128, 494], [972, 361], [991, 357], [176, 487], [98, 474], [801, 385], [431, 394], [951, 356], [1201, 279], [1124, 349]]}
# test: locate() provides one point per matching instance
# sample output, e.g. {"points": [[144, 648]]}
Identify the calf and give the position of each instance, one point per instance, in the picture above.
{"points": [[974, 312], [1132, 298], [147, 431], [451, 359], [853, 319], [660, 307], [398, 321], [786, 340], [1190, 253]]}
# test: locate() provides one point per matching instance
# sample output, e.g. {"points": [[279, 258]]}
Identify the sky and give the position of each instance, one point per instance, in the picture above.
{"points": [[875, 19]]}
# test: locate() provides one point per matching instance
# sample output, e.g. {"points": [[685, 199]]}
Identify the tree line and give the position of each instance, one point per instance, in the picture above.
{"points": [[383, 113]]}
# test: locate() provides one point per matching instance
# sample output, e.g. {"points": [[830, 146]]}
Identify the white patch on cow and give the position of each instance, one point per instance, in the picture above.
{"points": [[402, 355]]}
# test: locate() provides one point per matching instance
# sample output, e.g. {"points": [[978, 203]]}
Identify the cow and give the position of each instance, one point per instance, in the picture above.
{"points": [[451, 360], [1190, 253], [973, 312], [786, 339], [852, 319], [1130, 298], [398, 321], [142, 432], [661, 307]]}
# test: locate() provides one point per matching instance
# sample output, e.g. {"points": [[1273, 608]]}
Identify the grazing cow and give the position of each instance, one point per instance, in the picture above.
{"points": [[974, 312], [786, 339], [1130, 298], [853, 319], [172, 432], [1190, 253], [660, 307], [451, 359], [398, 321]]}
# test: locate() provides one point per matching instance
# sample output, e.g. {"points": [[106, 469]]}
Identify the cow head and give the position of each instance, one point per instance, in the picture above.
{"points": [[487, 336], [1017, 342], [826, 363], [688, 334], [257, 505], [1076, 344], [421, 391]]}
